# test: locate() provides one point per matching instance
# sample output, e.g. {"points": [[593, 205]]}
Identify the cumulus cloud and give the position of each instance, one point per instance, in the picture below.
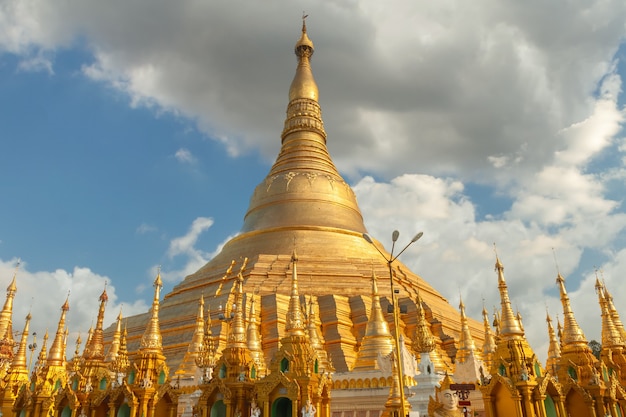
{"points": [[185, 247], [42, 293], [185, 156]]}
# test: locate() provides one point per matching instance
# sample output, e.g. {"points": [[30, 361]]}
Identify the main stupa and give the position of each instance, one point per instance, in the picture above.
{"points": [[303, 205]]}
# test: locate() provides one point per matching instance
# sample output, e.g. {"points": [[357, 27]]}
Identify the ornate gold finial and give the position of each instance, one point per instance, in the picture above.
{"points": [[94, 348], [151, 339], [572, 333], [466, 342], [237, 332], [254, 338], [294, 324], [6, 315], [611, 337], [115, 343], [423, 340], [188, 366], [554, 349], [121, 363], [489, 346], [18, 363], [57, 350], [509, 325]]}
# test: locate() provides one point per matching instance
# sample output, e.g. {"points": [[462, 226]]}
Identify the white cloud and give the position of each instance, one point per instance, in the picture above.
{"points": [[146, 228], [42, 293], [184, 156]]}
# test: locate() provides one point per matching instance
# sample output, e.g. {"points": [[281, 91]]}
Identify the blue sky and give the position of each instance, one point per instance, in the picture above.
{"points": [[130, 143]]}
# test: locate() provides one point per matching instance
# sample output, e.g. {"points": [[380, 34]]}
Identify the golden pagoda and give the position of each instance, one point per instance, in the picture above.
{"points": [[322, 346], [303, 203]]}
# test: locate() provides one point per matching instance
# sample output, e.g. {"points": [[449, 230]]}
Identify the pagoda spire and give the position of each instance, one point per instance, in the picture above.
{"points": [[187, 367], [254, 338], [237, 333], [6, 315], [17, 373], [56, 356], [115, 342], [120, 362], [206, 358], [377, 339], [19, 360], [489, 346], [614, 314], [611, 337], [509, 324], [554, 350], [151, 339], [303, 187], [572, 333], [43, 353], [94, 348], [613, 346], [511, 345], [466, 342], [577, 360], [315, 338], [294, 324]]}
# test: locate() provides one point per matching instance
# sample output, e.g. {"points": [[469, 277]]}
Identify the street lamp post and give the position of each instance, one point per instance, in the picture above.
{"points": [[395, 304]]}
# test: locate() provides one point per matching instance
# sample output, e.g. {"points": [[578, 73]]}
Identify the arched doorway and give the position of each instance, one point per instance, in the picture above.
{"points": [[281, 407], [218, 409]]}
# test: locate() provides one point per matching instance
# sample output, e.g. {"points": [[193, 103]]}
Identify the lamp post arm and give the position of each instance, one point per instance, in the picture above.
{"points": [[415, 239], [369, 240]]}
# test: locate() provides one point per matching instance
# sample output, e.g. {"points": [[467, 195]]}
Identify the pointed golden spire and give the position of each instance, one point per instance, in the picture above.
{"points": [[94, 348], [377, 339], [393, 405], [121, 363], [115, 343], [611, 337], [315, 338], [572, 333], [19, 360], [254, 339], [554, 350], [206, 359], [237, 334], [303, 85], [6, 315], [294, 324], [559, 330], [43, 353], [466, 342], [151, 339], [187, 367], [509, 325], [489, 346], [198, 334], [303, 184], [56, 356], [614, 314]]}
